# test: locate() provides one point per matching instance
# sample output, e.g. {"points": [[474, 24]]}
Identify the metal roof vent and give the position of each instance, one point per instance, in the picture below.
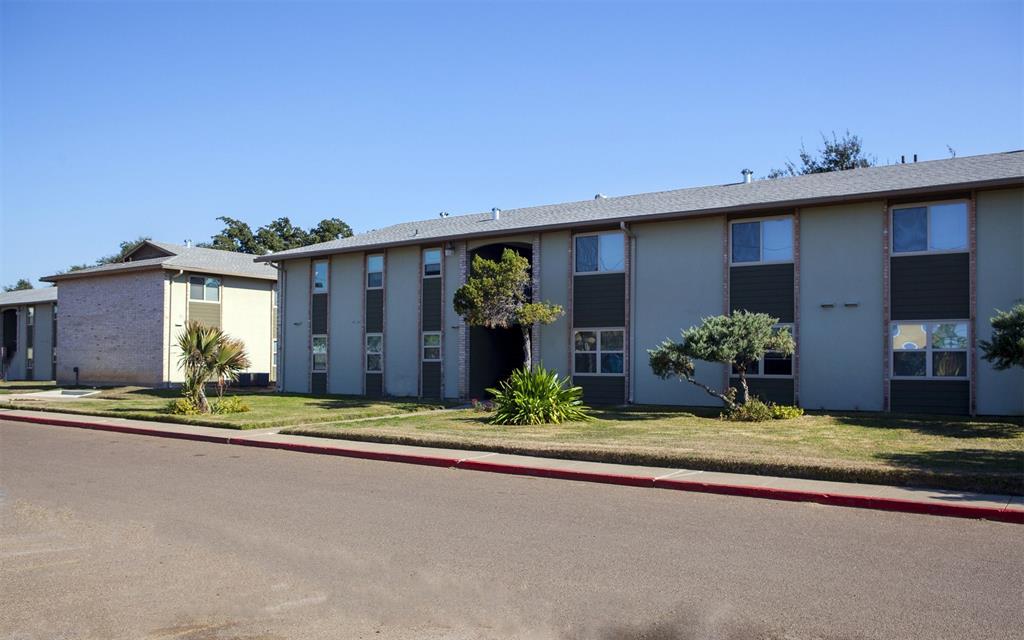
{"points": [[748, 176], [600, 196], [495, 213], [443, 214]]}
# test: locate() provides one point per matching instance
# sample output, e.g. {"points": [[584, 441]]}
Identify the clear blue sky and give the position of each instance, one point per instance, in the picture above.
{"points": [[120, 120]]}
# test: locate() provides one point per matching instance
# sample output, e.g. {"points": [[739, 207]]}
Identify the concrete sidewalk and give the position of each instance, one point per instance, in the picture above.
{"points": [[903, 499]]}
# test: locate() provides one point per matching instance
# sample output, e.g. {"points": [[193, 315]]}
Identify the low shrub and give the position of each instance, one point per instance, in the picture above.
{"points": [[756, 411], [231, 404], [482, 406], [182, 407], [537, 396]]}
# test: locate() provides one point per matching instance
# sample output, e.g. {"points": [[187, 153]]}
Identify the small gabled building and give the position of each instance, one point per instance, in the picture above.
{"points": [[887, 276], [120, 321], [28, 334]]}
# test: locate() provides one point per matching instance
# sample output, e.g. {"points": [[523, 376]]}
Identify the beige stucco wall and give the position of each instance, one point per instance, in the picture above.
{"points": [[1000, 285], [246, 315], [554, 288], [293, 373], [112, 328], [345, 348], [401, 322]]}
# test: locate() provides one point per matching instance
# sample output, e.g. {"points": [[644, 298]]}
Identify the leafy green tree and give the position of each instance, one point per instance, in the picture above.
{"points": [[330, 229], [20, 285], [497, 295], [838, 154], [236, 236], [737, 341], [208, 354], [1006, 348], [126, 247]]}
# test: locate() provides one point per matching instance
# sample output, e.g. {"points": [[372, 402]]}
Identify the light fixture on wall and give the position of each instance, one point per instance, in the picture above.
{"points": [[449, 250]]}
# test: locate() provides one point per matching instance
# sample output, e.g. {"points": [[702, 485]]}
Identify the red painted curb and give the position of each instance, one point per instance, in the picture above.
{"points": [[840, 500]]}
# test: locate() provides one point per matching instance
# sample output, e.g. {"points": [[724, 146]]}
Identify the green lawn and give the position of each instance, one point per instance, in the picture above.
{"points": [[979, 454], [268, 409], [25, 386]]}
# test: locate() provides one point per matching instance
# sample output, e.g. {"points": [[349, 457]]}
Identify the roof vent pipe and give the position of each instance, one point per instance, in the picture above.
{"points": [[748, 176], [495, 213], [600, 196]]}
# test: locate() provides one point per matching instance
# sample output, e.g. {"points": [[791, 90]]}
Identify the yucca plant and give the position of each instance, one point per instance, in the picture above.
{"points": [[537, 396], [207, 353]]}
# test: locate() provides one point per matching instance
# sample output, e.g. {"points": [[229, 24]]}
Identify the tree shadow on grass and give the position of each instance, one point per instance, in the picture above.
{"points": [[979, 469], [652, 412], [947, 426]]}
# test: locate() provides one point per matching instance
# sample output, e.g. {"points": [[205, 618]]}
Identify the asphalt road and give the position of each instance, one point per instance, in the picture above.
{"points": [[119, 536]]}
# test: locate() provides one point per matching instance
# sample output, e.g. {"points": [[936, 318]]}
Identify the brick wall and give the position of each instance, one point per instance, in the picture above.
{"points": [[112, 329]]}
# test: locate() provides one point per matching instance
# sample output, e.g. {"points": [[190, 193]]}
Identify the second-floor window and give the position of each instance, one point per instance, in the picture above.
{"points": [[597, 252], [320, 276], [204, 289], [375, 271], [762, 241], [431, 263], [930, 228]]}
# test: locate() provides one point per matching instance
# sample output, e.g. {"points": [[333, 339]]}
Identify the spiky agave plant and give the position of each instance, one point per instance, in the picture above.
{"points": [[207, 353], [537, 396]]}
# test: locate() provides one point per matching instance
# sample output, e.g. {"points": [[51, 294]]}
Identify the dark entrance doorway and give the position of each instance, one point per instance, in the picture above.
{"points": [[9, 339], [494, 353]]}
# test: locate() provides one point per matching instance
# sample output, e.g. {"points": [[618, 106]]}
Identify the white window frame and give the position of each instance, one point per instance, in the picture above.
{"points": [[220, 289], [760, 363], [597, 352], [30, 316], [928, 350], [327, 353], [928, 230], [598, 270], [760, 247], [440, 262], [424, 347], [383, 267], [367, 352], [273, 354], [327, 276]]}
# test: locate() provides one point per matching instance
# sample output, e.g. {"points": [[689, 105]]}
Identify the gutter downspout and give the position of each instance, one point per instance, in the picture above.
{"points": [[281, 307], [170, 324], [630, 310]]}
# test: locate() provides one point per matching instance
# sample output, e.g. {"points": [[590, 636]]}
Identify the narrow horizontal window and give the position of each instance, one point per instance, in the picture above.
{"points": [[930, 228], [599, 352], [375, 271], [431, 263], [600, 252]]}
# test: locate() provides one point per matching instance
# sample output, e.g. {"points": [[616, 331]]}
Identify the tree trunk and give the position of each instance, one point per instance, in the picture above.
{"points": [[527, 348], [204, 404], [729, 405], [743, 386]]}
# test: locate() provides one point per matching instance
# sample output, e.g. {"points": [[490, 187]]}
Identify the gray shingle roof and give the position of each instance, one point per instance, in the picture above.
{"points": [[196, 259], [970, 171], [28, 296]]}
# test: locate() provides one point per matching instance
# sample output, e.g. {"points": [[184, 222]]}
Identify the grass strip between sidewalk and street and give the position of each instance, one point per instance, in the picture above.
{"points": [[982, 455]]}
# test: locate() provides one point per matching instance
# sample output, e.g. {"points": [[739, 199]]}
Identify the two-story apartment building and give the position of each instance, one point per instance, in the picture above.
{"points": [[887, 277], [28, 334], [120, 322]]}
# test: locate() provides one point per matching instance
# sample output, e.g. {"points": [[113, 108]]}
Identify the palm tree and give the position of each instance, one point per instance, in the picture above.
{"points": [[207, 353]]}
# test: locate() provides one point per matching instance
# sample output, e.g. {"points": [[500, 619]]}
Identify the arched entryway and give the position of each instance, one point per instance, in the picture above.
{"points": [[494, 353]]}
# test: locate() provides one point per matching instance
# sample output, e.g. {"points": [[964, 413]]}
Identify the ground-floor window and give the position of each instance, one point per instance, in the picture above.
{"points": [[320, 353], [431, 346], [374, 352], [774, 364], [935, 349], [598, 351]]}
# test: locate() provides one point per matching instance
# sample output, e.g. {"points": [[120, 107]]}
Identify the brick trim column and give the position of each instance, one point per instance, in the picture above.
{"points": [[972, 266], [463, 327], [536, 297], [886, 310], [796, 307]]}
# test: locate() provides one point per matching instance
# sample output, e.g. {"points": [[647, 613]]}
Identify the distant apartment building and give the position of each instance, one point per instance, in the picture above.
{"points": [[28, 334], [119, 322], [887, 277]]}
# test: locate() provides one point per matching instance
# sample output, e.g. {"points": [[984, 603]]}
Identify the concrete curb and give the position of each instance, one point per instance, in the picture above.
{"points": [[832, 499]]}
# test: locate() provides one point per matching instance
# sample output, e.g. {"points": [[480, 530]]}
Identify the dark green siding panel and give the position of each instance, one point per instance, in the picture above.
{"points": [[930, 396], [599, 300], [930, 287], [374, 385], [431, 379], [205, 312], [599, 390], [777, 390], [374, 310], [432, 304], [318, 384], [319, 312], [764, 288]]}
